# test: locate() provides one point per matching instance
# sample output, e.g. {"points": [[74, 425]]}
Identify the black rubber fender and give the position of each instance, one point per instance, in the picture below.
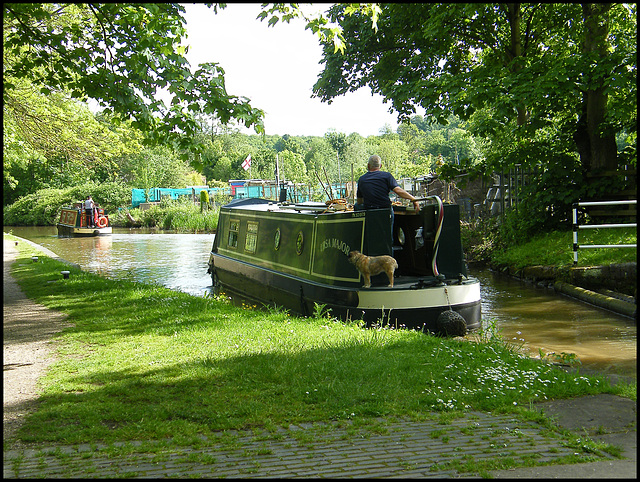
{"points": [[451, 323]]}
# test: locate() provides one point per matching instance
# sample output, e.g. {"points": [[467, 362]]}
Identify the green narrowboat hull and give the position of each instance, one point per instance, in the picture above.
{"points": [[296, 256]]}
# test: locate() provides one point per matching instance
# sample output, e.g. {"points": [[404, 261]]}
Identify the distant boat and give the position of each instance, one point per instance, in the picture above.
{"points": [[297, 256], [73, 222]]}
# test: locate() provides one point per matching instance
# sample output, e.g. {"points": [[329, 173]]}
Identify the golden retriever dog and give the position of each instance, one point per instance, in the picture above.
{"points": [[372, 265]]}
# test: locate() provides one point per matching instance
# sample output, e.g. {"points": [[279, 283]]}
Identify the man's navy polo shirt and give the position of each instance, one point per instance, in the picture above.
{"points": [[374, 188]]}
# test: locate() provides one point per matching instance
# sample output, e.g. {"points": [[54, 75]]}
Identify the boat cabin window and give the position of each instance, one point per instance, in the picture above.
{"points": [[251, 240], [234, 227]]}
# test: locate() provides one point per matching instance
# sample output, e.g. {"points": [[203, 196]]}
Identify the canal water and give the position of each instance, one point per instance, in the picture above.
{"points": [[536, 318]]}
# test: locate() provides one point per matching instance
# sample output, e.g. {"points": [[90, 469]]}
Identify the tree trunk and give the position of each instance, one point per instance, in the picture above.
{"points": [[598, 150], [515, 52]]}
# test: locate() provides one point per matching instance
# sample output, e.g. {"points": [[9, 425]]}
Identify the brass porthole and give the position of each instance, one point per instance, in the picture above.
{"points": [[299, 243], [276, 240]]}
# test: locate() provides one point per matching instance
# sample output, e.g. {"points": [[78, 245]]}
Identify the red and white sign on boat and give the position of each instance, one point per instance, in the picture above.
{"points": [[247, 163]]}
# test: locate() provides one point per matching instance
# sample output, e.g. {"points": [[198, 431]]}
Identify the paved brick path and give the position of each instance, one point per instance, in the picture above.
{"points": [[400, 449]]}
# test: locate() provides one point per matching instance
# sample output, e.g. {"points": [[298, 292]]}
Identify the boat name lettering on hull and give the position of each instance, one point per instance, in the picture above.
{"points": [[335, 244]]}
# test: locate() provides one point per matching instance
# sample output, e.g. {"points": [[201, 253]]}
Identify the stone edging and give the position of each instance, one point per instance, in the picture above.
{"points": [[603, 301]]}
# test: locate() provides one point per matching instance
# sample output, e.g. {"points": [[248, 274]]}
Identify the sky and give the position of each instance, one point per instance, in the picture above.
{"points": [[276, 68]]}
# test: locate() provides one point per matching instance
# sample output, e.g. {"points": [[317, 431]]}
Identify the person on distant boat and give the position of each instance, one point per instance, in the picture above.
{"points": [[375, 185], [88, 208]]}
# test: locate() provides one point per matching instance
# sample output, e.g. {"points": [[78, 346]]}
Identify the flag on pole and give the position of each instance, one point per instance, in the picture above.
{"points": [[247, 163]]}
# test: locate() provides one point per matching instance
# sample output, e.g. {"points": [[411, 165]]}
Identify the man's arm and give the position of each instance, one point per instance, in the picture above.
{"points": [[404, 194]]}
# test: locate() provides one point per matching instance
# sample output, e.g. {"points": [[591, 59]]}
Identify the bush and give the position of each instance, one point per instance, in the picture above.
{"points": [[546, 204], [119, 218], [180, 215], [479, 239], [43, 207], [204, 200]]}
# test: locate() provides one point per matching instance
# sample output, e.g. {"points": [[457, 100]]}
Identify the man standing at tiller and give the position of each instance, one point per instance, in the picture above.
{"points": [[375, 185], [88, 208]]}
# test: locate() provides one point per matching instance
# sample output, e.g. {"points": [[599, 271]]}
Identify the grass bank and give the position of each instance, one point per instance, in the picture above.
{"points": [[143, 362], [554, 248]]}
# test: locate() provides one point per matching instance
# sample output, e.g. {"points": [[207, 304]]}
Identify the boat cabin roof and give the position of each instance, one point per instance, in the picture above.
{"points": [[266, 205]]}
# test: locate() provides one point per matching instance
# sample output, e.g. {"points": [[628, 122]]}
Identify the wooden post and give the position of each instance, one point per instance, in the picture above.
{"points": [[353, 187]]}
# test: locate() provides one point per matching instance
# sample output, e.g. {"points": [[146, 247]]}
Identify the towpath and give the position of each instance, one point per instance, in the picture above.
{"points": [[401, 449]]}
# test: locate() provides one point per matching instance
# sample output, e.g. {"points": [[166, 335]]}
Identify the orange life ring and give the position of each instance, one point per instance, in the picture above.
{"points": [[102, 222]]}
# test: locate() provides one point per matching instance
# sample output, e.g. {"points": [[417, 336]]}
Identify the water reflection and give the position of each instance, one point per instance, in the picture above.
{"points": [[177, 261], [541, 319], [537, 318]]}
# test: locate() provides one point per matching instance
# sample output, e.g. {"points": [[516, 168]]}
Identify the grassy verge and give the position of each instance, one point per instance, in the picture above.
{"points": [[555, 248], [143, 362]]}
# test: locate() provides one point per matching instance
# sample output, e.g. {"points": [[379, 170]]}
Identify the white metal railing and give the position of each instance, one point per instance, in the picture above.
{"points": [[576, 227]]}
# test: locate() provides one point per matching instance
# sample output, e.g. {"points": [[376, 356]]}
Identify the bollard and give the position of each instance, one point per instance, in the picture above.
{"points": [[65, 274], [34, 259]]}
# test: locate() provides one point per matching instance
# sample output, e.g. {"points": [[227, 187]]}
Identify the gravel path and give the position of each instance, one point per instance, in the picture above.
{"points": [[27, 350]]}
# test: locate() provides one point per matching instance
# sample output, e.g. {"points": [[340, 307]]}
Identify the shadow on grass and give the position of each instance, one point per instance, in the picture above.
{"points": [[212, 394], [151, 363]]}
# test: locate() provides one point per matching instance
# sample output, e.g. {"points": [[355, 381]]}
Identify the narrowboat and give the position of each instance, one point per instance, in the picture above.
{"points": [[73, 222], [296, 255]]}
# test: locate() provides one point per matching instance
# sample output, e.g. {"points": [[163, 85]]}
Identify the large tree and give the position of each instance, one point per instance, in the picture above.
{"points": [[53, 141], [122, 56], [595, 136], [128, 58], [531, 66]]}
